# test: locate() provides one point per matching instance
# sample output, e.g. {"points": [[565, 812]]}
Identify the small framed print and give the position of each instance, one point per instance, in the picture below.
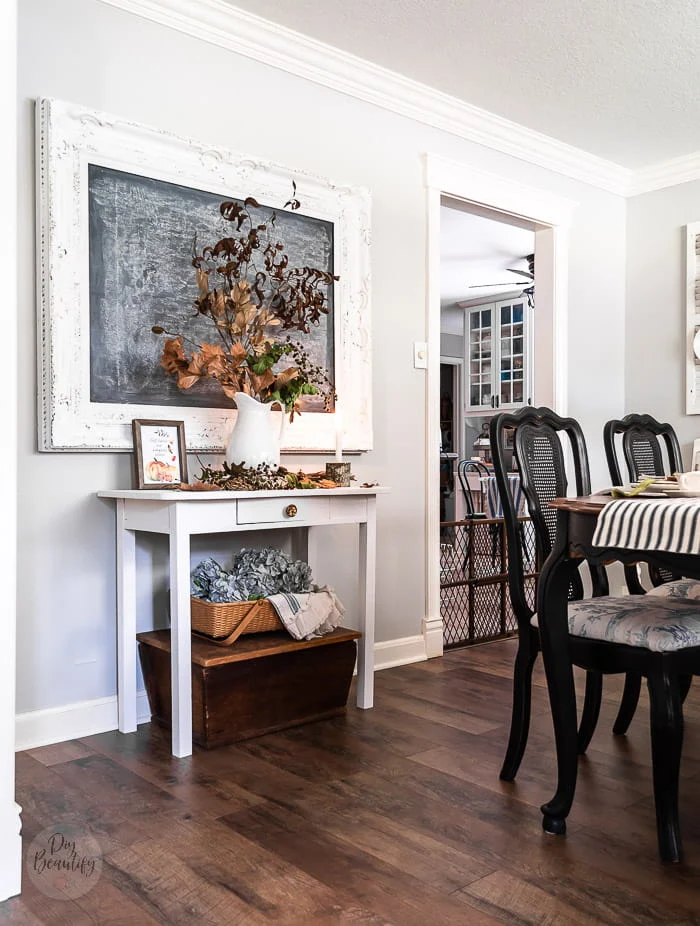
{"points": [[159, 452]]}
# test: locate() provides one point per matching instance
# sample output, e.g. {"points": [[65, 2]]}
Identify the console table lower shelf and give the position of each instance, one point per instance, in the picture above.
{"points": [[265, 682]]}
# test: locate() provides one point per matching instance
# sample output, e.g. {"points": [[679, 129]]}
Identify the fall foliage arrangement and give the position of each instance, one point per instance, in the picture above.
{"points": [[253, 298]]}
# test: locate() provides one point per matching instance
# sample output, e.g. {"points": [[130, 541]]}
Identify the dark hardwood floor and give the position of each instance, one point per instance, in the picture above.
{"points": [[389, 816]]}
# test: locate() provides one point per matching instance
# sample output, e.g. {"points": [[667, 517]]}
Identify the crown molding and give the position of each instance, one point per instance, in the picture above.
{"points": [[222, 24], [668, 173]]}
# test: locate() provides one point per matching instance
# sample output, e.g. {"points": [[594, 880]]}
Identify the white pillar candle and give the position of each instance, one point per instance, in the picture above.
{"points": [[338, 434]]}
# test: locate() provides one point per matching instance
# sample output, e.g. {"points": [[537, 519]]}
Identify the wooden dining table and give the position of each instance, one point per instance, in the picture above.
{"points": [[577, 519]]}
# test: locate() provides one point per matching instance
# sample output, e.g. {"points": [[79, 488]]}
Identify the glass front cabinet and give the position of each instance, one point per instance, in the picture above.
{"points": [[498, 355]]}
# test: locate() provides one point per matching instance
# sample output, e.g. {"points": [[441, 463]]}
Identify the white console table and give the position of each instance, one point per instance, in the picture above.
{"points": [[182, 514]]}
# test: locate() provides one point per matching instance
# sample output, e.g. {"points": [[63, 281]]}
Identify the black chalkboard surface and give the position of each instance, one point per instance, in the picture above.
{"points": [[142, 233]]}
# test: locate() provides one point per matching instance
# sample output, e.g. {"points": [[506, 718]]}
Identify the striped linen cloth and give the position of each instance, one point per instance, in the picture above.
{"points": [[494, 505], [309, 614], [669, 525]]}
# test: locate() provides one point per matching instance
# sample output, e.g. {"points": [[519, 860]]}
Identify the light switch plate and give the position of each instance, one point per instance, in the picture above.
{"points": [[420, 355]]}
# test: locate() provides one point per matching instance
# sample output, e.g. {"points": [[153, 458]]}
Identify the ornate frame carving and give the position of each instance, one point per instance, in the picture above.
{"points": [[692, 318], [70, 137]]}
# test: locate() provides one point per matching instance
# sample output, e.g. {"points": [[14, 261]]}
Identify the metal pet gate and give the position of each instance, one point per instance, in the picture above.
{"points": [[474, 598]]}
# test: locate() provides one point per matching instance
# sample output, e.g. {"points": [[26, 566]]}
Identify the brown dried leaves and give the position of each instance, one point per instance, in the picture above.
{"points": [[249, 307]]}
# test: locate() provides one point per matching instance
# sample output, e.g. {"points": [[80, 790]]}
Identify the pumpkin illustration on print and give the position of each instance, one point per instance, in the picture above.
{"points": [[159, 448]]}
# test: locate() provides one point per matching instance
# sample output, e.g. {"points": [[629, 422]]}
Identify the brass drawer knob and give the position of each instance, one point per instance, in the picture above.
{"points": [[290, 511]]}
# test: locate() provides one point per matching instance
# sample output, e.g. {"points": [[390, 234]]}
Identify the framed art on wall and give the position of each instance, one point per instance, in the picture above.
{"points": [[160, 455], [122, 208], [140, 244], [692, 318]]}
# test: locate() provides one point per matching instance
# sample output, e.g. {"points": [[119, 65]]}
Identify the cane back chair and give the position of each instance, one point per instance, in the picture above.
{"points": [[599, 628], [642, 440]]}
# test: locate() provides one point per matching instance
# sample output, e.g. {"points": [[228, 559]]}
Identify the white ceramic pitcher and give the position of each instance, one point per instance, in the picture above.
{"points": [[253, 440]]}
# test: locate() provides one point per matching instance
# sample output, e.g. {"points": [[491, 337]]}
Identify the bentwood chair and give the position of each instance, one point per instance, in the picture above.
{"points": [[489, 497], [659, 638], [464, 468]]}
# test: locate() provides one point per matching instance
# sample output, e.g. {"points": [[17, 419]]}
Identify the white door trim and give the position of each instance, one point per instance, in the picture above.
{"points": [[554, 214], [10, 839]]}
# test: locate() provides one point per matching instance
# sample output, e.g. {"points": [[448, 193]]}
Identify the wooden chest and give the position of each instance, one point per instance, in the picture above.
{"points": [[264, 682]]}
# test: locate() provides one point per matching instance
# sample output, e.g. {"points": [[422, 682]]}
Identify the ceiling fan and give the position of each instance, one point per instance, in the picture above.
{"points": [[529, 274]]}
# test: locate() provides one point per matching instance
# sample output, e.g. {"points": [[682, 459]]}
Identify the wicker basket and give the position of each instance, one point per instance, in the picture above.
{"points": [[223, 623]]}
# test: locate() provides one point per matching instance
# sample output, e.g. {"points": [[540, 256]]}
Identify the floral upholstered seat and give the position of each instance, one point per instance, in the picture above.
{"points": [[684, 589], [652, 622]]}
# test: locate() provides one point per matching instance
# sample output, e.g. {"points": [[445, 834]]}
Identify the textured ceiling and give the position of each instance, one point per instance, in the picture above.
{"points": [[617, 78], [475, 251]]}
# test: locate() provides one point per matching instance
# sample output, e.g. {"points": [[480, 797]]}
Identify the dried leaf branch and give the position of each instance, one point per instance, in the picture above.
{"points": [[235, 477], [249, 309]]}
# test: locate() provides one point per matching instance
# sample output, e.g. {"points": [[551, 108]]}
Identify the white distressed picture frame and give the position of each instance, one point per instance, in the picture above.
{"points": [[69, 138], [692, 318]]}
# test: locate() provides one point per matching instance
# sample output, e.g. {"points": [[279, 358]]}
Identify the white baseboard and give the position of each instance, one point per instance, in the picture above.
{"points": [[85, 718], [71, 721], [399, 652], [432, 633]]}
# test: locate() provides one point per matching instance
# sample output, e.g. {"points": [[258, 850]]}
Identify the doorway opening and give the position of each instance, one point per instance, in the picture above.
{"points": [[542, 370], [487, 305]]}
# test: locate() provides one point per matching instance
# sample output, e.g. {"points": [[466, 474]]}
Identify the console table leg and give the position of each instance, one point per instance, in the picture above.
{"points": [[126, 623], [365, 652], [180, 639], [305, 547]]}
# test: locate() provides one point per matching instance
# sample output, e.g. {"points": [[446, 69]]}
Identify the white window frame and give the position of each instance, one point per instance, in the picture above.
{"points": [[495, 307]]}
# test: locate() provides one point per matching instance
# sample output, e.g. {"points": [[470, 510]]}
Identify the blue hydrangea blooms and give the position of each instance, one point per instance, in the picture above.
{"points": [[254, 574]]}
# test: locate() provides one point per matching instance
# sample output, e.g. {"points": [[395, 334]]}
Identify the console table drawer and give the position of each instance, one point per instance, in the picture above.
{"points": [[283, 510]]}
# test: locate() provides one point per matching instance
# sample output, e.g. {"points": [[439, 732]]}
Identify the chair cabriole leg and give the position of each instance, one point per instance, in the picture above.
{"points": [[628, 704], [684, 683], [591, 710], [528, 647], [555, 580], [666, 743]]}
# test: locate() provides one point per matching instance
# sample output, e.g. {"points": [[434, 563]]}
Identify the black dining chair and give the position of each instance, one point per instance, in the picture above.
{"points": [[643, 440], [546, 483], [596, 624], [650, 448]]}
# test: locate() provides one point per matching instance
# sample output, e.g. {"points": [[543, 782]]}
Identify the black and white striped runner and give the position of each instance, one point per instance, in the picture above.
{"points": [[671, 525]]}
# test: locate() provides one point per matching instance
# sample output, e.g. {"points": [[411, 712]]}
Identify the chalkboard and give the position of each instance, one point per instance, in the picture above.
{"points": [[142, 232]]}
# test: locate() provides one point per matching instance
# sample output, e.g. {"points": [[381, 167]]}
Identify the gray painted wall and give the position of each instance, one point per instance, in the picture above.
{"points": [[655, 345], [95, 55], [451, 345]]}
